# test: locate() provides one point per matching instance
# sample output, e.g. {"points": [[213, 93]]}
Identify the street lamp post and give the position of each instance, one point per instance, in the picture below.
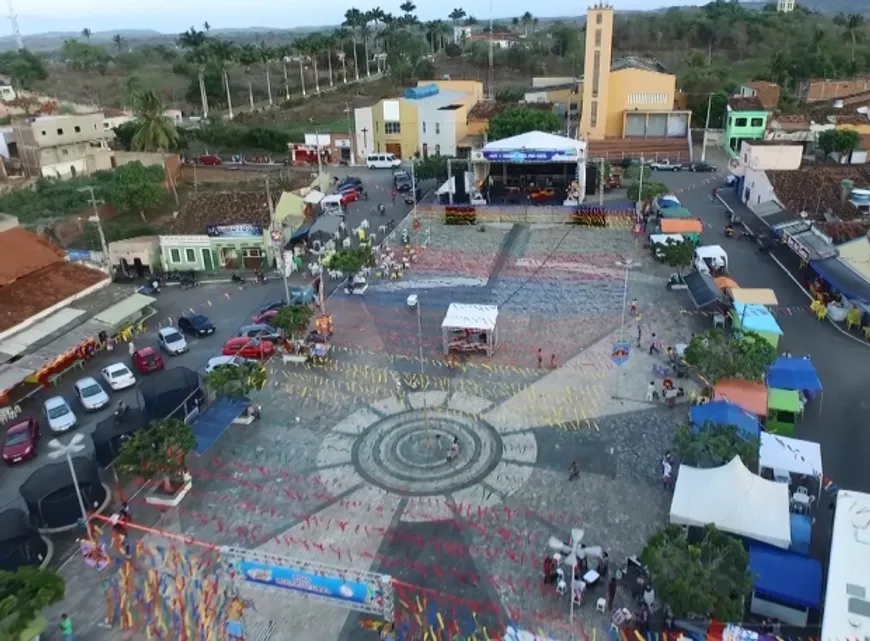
{"points": [[59, 450], [422, 375], [96, 219]]}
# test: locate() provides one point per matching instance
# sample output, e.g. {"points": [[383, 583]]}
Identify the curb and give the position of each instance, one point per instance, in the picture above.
{"points": [[795, 280]]}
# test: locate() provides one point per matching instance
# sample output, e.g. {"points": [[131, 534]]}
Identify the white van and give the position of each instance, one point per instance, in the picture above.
{"points": [[382, 161]]}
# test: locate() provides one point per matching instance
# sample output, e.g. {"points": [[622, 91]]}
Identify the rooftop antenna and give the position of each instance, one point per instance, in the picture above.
{"points": [[13, 20]]}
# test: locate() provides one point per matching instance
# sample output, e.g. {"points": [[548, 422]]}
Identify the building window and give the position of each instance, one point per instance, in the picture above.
{"points": [[43, 133], [60, 132], [392, 128], [65, 152], [596, 73], [78, 129], [740, 122], [95, 127], [190, 255], [593, 115], [757, 122], [598, 37], [252, 252], [174, 255], [437, 128], [437, 150], [598, 18], [424, 127]]}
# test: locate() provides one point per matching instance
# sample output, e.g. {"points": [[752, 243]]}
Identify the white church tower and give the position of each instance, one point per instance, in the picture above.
{"points": [[785, 6]]}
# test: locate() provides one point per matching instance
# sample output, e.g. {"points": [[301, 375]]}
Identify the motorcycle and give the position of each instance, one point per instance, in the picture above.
{"points": [[188, 283], [236, 278], [382, 210]]}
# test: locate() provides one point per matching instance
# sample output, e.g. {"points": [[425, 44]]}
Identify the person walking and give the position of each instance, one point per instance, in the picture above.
{"points": [[540, 357], [633, 307], [653, 344], [66, 627], [573, 471], [611, 592], [552, 361]]}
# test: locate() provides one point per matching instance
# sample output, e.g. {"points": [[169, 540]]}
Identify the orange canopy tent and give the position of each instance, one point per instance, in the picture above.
{"points": [[723, 283], [747, 395], [681, 226]]}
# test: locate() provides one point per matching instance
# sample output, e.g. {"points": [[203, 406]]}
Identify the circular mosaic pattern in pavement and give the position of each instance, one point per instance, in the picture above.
{"points": [[409, 453]]}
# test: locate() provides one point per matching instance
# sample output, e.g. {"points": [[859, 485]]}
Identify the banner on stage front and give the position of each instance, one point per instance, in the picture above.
{"points": [[520, 156], [329, 587]]}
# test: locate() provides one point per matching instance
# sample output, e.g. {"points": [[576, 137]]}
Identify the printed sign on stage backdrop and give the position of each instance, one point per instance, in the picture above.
{"points": [[531, 155], [332, 587], [235, 231]]}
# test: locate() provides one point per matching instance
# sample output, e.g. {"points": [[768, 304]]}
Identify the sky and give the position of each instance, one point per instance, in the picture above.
{"points": [[171, 16]]}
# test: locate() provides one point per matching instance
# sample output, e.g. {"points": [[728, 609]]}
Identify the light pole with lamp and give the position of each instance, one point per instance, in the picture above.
{"points": [[59, 450], [96, 220], [626, 264]]}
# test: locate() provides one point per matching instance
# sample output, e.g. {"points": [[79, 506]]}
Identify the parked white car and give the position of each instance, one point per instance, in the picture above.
{"points": [[223, 361], [665, 165], [172, 341], [91, 394], [58, 414], [118, 376]]}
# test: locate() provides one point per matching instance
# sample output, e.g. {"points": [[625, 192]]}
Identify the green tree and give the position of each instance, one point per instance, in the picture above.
{"points": [[23, 67], [124, 134], [519, 120], [136, 189], [715, 445], [718, 355], [677, 254], [355, 20], [292, 319], [697, 580], [23, 595], [212, 83], [853, 26], [839, 141], [158, 452], [456, 15], [154, 131], [650, 190], [351, 261], [82, 56], [634, 172], [236, 380], [195, 43], [431, 167], [118, 41]]}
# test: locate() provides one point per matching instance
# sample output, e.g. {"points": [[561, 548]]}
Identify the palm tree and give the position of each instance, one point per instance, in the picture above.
{"points": [[86, 34], [377, 16], [225, 54], [353, 19], [340, 36], [328, 42], [267, 55], [206, 26], [526, 20], [248, 57], [195, 42], [313, 47], [853, 25], [470, 21], [300, 48], [154, 131], [119, 42], [285, 52], [456, 15], [365, 33]]}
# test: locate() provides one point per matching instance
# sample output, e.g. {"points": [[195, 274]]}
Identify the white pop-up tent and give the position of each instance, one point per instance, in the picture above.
{"points": [[734, 500], [470, 328], [786, 456]]}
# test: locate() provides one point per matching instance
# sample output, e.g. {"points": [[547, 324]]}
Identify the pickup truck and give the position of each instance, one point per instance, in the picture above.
{"points": [[665, 165]]}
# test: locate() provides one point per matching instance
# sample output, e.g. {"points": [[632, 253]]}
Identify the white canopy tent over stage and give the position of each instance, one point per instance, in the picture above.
{"points": [[470, 328], [735, 500]]}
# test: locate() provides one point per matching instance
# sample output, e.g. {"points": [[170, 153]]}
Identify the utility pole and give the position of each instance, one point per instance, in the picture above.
{"points": [[171, 180], [350, 133], [489, 78], [601, 182], [274, 225], [319, 157], [706, 128], [96, 219], [450, 177]]}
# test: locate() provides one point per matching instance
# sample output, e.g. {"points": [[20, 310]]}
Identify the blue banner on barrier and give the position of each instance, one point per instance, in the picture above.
{"points": [[333, 587]]}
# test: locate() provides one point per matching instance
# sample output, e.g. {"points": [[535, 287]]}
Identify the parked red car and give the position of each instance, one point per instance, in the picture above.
{"points": [[265, 318], [349, 195], [21, 441], [147, 360], [209, 159], [251, 348]]}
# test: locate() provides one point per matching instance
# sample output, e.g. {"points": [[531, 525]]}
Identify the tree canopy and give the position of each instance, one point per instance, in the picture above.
{"points": [[291, 319], [697, 580], [158, 452], [236, 380], [350, 261], [154, 131], [718, 354], [431, 167], [715, 445], [136, 189], [839, 140], [519, 120], [650, 191], [677, 254], [23, 595]]}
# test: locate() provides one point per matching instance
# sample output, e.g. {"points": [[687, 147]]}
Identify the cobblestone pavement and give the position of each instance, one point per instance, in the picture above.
{"points": [[349, 464]]}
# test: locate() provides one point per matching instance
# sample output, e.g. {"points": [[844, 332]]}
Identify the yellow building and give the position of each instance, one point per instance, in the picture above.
{"points": [[429, 119], [627, 103]]}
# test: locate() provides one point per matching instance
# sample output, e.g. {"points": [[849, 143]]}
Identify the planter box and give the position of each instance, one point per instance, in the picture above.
{"points": [[244, 419], [156, 495]]}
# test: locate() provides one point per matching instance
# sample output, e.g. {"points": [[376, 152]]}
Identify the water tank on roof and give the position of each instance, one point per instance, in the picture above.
{"points": [[418, 93]]}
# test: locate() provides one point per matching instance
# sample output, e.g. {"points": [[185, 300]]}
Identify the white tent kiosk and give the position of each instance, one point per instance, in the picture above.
{"points": [[785, 456], [470, 328], [735, 500], [847, 615]]}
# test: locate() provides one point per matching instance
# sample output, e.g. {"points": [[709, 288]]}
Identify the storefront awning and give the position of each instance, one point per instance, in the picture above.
{"points": [[749, 296], [314, 197], [843, 279], [67, 342], [119, 312], [21, 342]]}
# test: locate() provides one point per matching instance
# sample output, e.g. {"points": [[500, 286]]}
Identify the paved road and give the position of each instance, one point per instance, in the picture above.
{"points": [[837, 423]]}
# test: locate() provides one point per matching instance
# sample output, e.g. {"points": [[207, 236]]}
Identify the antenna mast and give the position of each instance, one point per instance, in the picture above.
{"points": [[13, 20]]}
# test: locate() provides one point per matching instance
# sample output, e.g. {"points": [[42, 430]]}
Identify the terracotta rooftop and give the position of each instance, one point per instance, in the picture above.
{"points": [[850, 119], [115, 113], [487, 110], [675, 149], [767, 92], [740, 103], [760, 84], [23, 253], [843, 232], [817, 190], [221, 208], [790, 122], [43, 289]]}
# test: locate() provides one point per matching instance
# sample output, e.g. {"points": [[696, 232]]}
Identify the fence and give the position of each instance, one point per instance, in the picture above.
{"points": [[528, 214]]}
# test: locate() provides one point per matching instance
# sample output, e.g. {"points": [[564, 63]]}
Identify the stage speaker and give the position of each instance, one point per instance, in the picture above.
{"points": [[460, 194], [591, 180]]}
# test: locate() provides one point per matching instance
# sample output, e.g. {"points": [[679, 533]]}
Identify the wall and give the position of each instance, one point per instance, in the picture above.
{"points": [[407, 136], [364, 128], [50, 131], [549, 81], [116, 121], [771, 157], [821, 90], [593, 118], [443, 129], [472, 87], [637, 89], [182, 243], [757, 189], [734, 132], [146, 249]]}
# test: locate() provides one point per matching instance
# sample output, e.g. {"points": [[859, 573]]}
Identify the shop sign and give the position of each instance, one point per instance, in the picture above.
{"points": [[530, 155], [177, 241], [327, 587], [797, 248], [342, 143], [235, 231]]}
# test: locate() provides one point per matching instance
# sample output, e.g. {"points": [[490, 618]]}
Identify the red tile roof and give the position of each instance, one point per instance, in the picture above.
{"points": [[45, 288], [741, 103], [817, 190], [23, 252]]}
